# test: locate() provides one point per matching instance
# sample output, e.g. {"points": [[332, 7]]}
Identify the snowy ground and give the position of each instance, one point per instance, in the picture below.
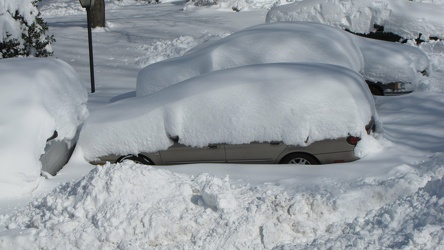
{"points": [[392, 198]]}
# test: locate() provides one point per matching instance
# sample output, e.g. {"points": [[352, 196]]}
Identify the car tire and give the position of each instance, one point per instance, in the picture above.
{"points": [[135, 158], [299, 158]]}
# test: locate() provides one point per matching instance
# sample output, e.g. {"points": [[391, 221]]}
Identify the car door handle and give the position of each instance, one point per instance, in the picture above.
{"points": [[213, 146]]}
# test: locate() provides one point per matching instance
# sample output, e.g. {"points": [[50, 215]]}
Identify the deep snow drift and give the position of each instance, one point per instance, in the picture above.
{"points": [[129, 206]]}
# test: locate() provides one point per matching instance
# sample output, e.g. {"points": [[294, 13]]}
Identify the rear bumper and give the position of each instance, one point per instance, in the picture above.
{"points": [[337, 157]]}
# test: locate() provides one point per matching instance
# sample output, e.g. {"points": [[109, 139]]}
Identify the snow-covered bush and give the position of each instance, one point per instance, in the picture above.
{"points": [[22, 30]]}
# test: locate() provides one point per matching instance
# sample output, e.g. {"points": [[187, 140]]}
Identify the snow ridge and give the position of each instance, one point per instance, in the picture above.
{"points": [[129, 206]]}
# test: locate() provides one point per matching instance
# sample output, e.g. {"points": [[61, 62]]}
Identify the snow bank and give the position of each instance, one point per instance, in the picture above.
{"points": [[405, 18], [263, 102], [265, 43], [130, 206], [37, 97], [413, 222]]}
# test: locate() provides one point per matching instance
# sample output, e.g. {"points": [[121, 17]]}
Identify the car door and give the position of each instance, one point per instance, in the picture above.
{"points": [[181, 154], [255, 152]]}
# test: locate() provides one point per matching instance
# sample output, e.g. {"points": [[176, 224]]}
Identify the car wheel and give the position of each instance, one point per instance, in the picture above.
{"points": [[135, 158], [299, 158]]}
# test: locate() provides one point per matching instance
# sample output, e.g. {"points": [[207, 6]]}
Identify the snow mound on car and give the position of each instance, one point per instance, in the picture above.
{"points": [[392, 62], [265, 43], [37, 97], [297, 103]]}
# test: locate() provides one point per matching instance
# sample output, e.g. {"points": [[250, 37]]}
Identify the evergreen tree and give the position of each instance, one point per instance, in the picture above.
{"points": [[23, 30]]}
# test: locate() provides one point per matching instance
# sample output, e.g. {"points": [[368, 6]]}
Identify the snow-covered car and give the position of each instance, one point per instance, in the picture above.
{"points": [[406, 19], [392, 68], [43, 104], [378, 61], [304, 113], [264, 43]]}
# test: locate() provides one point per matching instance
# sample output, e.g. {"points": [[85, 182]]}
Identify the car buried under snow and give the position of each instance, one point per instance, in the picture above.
{"points": [[299, 113], [43, 105], [389, 68], [392, 68], [393, 20]]}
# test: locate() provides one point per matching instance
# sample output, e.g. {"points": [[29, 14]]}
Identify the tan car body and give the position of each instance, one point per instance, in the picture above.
{"points": [[324, 152]]}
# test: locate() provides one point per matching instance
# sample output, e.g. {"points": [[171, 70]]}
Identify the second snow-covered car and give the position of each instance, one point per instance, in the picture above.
{"points": [[388, 67], [392, 68], [303, 113]]}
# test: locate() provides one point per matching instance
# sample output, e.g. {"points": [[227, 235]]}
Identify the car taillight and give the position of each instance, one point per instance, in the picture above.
{"points": [[353, 140]]}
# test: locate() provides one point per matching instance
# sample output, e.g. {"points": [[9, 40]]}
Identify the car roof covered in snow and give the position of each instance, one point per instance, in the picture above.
{"points": [[378, 61], [264, 43]]}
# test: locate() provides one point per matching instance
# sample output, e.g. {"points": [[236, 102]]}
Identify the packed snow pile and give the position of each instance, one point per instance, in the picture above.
{"points": [[407, 19], [130, 206], [413, 222], [37, 97], [264, 43], [262, 102]]}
